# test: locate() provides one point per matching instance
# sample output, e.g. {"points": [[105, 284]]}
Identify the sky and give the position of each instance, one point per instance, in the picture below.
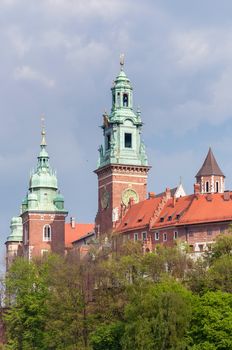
{"points": [[59, 57]]}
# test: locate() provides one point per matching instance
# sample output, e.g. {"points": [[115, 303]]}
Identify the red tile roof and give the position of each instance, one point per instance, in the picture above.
{"points": [[139, 214], [173, 211], [80, 230], [191, 209], [209, 208]]}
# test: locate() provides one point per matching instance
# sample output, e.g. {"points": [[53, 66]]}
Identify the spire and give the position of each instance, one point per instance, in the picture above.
{"points": [[210, 166], [43, 132], [122, 60]]}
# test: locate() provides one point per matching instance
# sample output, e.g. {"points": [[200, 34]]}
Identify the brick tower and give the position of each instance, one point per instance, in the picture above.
{"points": [[122, 165], [42, 221], [210, 178]]}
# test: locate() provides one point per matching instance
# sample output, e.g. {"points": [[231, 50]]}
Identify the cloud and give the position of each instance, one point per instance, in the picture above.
{"points": [[19, 42], [92, 8], [27, 73]]}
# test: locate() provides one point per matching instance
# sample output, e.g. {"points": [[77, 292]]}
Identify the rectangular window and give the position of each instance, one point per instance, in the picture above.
{"points": [[201, 247], [165, 237], [136, 236], [128, 140], [144, 236], [209, 232], [175, 236], [156, 236]]}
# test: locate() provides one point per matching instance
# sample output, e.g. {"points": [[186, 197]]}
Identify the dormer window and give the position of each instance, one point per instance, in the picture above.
{"points": [[125, 100], [128, 140]]}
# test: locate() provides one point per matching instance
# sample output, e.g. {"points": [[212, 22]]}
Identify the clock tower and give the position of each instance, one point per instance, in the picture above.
{"points": [[122, 166]]}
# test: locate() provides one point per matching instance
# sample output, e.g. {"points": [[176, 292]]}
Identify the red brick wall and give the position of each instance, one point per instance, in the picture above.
{"points": [[115, 179], [193, 235], [35, 223]]}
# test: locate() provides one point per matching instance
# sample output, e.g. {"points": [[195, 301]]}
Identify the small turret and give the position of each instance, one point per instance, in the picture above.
{"points": [[210, 177], [14, 240], [43, 186]]}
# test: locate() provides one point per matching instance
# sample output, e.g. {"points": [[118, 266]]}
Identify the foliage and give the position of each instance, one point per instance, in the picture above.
{"points": [[158, 318], [211, 325], [222, 246], [107, 337], [121, 301]]}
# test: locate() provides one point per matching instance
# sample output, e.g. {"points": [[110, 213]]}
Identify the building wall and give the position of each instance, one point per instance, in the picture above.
{"points": [[112, 182], [33, 242], [198, 237]]}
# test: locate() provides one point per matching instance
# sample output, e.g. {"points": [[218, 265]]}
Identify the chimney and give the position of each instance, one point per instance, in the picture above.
{"points": [[226, 195], [197, 188], [174, 201], [72, 222], [151, 195], [168, 193]]}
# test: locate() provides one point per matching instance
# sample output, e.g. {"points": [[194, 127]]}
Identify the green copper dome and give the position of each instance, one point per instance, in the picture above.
{"points": [[45, 179], [43, 185], [16, 227]]}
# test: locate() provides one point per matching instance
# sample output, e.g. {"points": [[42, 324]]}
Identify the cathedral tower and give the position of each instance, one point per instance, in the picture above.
{"points": [[210, 177], [122, 165], [43, 214]]}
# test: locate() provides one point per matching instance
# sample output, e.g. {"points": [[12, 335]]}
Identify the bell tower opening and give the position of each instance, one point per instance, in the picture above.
{"points": [[125, 100], [128, 140]]}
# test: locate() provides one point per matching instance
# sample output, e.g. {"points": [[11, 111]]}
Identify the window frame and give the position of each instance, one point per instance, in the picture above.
{"points": [[47, 237], [165, 237], [144, 234], [157, 235], [175, 235], [125, 142], [137, 236]]}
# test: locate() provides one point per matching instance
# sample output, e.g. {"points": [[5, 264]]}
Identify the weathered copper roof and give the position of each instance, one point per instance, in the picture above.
{"points": [[210, 166]]}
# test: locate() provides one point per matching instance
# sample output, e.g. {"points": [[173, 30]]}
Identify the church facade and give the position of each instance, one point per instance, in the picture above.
{"points": [[125, 208]]}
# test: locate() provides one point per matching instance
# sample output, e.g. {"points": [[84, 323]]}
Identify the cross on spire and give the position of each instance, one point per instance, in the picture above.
{"points": [[122, 60], [43, 132]]}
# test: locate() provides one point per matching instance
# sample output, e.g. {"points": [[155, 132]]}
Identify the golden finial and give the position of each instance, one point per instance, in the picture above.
{"points": [[122, 60], [43, 132]]}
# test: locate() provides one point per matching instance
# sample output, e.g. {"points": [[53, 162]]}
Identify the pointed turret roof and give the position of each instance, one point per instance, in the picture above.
{"points": [[210, 166]]}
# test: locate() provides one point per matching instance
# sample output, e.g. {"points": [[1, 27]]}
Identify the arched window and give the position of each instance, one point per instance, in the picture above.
{"points": [[47, 233], [217, 186], [118, 99], [207, 186], [125, 100]]}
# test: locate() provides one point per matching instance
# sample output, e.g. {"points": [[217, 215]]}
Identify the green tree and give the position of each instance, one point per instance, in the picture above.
{"points": [[107, 337], [27, 293], [222, 246], [211, 325], [219, 275], [157, 317]]}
